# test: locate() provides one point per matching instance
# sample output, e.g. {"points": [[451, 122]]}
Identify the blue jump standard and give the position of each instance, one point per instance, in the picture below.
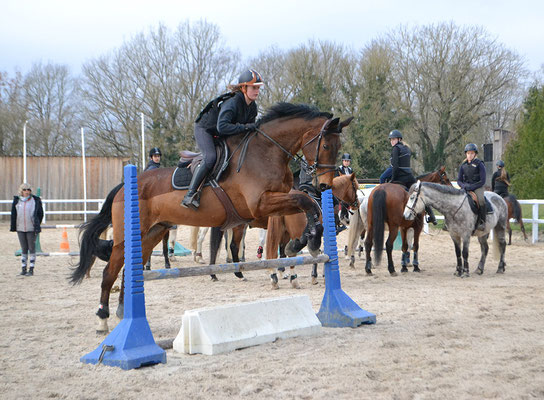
{"points": [[131, 344], [337, 308]]}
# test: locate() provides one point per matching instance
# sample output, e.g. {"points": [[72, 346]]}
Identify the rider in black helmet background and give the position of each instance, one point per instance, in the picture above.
{"points": [[472, 178], [401, 170], [237, 115], [154, 159], [345, 168]]}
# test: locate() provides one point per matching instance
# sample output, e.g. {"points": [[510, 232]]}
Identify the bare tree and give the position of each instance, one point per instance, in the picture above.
{"points": [[450, 80], [167, 76], [12, 114], [50, 99]]}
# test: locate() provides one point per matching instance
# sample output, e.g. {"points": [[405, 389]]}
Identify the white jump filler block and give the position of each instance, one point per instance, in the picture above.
{"points": [[226, 328]]}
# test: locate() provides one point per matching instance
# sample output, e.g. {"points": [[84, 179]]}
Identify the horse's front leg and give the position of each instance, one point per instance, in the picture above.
{"points": [[236, 245], [368, 248], [165, 250], [484, 248], [274, 203], [415, 248], [466, 243], [457, 245], [405, 260], [216, 235]]}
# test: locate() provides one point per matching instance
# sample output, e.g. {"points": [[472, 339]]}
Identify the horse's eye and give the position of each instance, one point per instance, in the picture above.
{"points": [[326, 146]]}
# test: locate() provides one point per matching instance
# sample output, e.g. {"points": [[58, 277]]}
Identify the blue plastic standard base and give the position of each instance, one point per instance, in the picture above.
{"points": [[133, 347], [337, 308], [130, 344]]}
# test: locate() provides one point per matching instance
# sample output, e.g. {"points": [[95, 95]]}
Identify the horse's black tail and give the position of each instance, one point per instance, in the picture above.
{"points": [[90, 244], [379, 214], [516, 211]]}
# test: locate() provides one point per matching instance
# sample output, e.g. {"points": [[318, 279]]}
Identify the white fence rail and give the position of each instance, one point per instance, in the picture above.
{"points": [[84, 212], [535, 221]]}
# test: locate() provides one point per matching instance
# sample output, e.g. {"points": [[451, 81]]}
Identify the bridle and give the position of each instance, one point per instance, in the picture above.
{"points": [[412, 209], [355, 203], [312, 169]]}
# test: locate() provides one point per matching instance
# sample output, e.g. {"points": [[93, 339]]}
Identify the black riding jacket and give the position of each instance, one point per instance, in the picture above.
{"points": [[234, 114], [344, 170], [152, 165], [400, 161], [37, 217], [471, 175], [498, 185]]}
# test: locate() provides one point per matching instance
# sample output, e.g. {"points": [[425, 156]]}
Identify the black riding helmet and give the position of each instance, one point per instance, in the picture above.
{"points": [[346, 156], [471, 147], [500, 163], [250, 77], [395, 134], [153, 151]]}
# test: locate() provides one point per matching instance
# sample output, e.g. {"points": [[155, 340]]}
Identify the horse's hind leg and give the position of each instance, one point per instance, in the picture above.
{"points": [[459, 269], [215, 242], [509, 229], [405, 260], [165, 250], [389, 249], [111, 271], [484, 247]]}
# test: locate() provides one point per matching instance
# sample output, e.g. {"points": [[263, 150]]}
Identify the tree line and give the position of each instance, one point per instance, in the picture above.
{"points": [[442, 85]]}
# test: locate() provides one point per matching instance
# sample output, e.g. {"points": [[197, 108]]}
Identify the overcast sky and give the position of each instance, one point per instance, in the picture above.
{"points": [[74, 31]]}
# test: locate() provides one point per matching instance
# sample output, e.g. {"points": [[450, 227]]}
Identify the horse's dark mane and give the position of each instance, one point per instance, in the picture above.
{"points": [[443, 188], [423, 175], [288, 110]]}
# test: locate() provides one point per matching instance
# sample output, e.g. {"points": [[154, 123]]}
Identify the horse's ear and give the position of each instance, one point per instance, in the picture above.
{"points": [[442, 169], [346, 122], [331, 125], [352, 177]]}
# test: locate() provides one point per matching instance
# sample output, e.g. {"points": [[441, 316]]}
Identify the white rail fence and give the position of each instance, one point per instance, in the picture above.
{"points": [[535, 221], [96, 205]]}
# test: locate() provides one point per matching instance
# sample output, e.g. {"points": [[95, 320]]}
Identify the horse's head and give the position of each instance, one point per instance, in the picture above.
{"points": [[415, 204], [444, 180], [344, 187], [321, 151]]}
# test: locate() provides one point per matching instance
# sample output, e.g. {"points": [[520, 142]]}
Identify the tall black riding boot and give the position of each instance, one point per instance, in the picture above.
{"points": [[431, 219], [191, 199], [482, 211]]}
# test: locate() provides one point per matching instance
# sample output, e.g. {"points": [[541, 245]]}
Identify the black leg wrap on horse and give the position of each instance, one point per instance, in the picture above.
{"points": [[293, 277], [274, 278], [103, 312]]}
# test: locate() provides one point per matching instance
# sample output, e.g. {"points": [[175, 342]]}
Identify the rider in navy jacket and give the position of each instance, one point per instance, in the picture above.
{"points": [[472, 178]]}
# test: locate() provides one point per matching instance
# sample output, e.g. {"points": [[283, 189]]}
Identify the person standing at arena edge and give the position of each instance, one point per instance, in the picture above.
{"points": [[401, 172], [154, 159], [237, 115], [500, 180], [26, 217], [472, 178], [344, 169]]}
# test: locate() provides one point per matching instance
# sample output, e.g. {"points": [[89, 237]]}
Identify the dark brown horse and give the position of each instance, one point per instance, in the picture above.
{"points": [[386, 205], [514, 211], [258, 190], [281, 230]]}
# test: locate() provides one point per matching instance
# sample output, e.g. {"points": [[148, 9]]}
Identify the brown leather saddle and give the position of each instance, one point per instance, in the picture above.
{"points": [[475, 206], [183, 173]]}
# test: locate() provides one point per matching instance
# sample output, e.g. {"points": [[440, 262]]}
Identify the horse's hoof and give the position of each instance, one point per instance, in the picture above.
{"points": [[457, 273], [167, 266], [214, 279], [102, 327], [290, 249], [368, 272], [404, 269], [465, 275], [315, 252], [274, 285], [500, 271], [314, 280], [295, 284], [416, 269], [394, 273], [479, 271]]}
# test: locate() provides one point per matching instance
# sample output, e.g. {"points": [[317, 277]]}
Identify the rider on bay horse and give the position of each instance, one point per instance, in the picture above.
{"points": [[237, 115], [401, 172]]}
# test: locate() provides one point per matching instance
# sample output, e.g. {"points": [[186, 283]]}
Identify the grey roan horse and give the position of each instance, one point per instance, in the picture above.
{"points": [[460, 219]]}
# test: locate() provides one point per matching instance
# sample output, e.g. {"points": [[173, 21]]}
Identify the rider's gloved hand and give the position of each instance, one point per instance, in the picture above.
{"points": [[250, 127]]}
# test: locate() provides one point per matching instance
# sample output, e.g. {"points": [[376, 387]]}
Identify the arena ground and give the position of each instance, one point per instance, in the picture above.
{"points": [[437, 336]]}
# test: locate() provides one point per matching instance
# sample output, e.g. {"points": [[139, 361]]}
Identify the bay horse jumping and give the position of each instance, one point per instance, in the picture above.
{"points": [[514, 211], [454, 206], [259, 189], [386, 205]]}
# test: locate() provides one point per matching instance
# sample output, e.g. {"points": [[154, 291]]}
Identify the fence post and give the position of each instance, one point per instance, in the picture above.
{"points": [[337, 308], [131, 344], [535, 223]]}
